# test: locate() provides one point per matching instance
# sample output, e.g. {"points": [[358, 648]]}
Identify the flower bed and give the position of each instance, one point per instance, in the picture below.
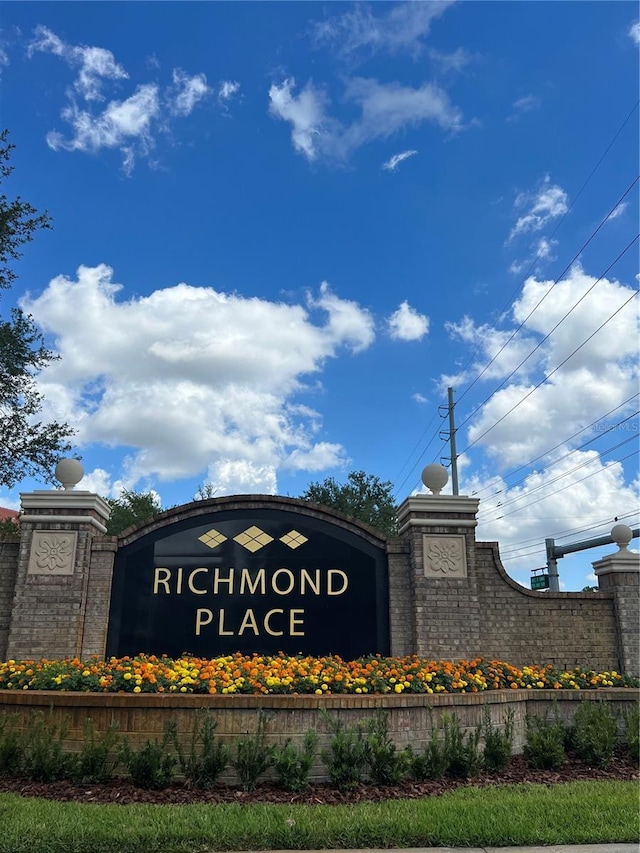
{"points": [[284, 674]]}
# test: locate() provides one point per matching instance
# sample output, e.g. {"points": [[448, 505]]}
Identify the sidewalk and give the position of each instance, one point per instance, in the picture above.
{"points": [[552, 848]]}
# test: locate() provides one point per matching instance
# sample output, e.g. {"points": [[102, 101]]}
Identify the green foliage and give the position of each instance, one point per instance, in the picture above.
{"points": [[9, 529], [208, 756], [433, 761], [544, 747], [387, 766], [595, 733], [44, 759], [98, 757], [292, 764], [632, 731], [498, 745], [129, 509], [364, 497], [29, 446], [462, 751], [346, 758], [11, 748], [252, 756], [152, 765]]}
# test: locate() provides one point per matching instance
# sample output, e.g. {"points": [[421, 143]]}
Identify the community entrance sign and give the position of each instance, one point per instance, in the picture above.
{"points": [[251, 580]]}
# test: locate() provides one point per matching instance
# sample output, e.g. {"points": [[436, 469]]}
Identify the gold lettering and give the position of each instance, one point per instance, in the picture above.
{"points": [[193, 588], [267, 626], [345, 579], [249, 621], [314, 586], [157, 580], [292, 581], [293, 622], [218, 580], [221, 631], [179, 582], [203, 617], [245, 578]]}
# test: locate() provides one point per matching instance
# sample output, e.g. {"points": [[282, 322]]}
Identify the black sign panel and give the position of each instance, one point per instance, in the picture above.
{"points": [[250, 580]]}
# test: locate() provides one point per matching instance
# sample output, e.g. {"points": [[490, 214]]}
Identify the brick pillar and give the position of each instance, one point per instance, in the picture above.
{"points": [[620, 572], [53, 581], [445, 611]]}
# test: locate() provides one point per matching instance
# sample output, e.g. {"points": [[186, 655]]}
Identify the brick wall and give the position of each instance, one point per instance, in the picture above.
{"points": [[8, 567]]}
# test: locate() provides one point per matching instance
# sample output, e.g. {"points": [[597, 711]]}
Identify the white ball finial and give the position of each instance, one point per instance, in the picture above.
{"points": [[435, 477], [621, 535], [69, 472]]}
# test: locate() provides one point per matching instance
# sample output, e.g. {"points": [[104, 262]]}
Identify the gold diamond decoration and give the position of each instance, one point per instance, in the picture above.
{"points": [[294, 539], [253, 539], [212, 538]]}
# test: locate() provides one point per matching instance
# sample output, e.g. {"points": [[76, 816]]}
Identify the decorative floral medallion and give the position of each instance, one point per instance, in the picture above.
{"points": [[52, 552], [444, 556]]}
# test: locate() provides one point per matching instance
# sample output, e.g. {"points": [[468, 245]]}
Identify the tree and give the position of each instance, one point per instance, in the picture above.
{"points": [[28, 446], [364, 497], [131, 508]]}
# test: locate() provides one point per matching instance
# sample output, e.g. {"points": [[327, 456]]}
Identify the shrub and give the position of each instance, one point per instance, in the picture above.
{"points": [[152, 765], [11, 748], [292, 764], [98, 757], [544, 746], [463, 752], [632, 731], [208, 756], [44, 759], [252, 756], [432, 762], [498, 745], [346, 758], [387, 766], [595, 733]]}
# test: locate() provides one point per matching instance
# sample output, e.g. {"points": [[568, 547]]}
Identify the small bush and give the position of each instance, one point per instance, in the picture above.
{"points": [[208, 756], [98, 758], [632, 731], [544, 746], [463, 752], [346, 758], [498, 745], [44, 759], [387, 766], [152, 766], [292, 764], [11, 749], [595, 733], [252, 756]]}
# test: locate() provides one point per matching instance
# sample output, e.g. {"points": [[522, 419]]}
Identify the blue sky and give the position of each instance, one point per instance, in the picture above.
{"points": [[282, 230]]}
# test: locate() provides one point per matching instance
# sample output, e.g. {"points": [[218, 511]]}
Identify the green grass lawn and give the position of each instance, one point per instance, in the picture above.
{"points": [[577, 812]]}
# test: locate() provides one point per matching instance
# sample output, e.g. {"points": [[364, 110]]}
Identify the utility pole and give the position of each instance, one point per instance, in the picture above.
{"points": [[452, 441]]}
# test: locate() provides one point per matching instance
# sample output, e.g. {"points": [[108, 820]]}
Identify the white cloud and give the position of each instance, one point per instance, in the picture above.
{"points": [[547, 502], [402, 28], [406, 324], [228, 89], [451, 62], [597, 378], [634, 32], [305, 112], [121, 124], [190, 379], [95, 63], [619, 210], [129, 125], [385, 109], [540, 251], [543, 206], [393, 162], [526, 104], [419, 398], [187, 91]]}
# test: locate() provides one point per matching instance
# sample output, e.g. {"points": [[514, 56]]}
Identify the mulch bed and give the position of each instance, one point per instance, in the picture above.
{"points": [[119, 791]]}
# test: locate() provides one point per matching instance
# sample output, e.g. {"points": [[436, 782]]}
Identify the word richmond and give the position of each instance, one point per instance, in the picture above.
{"points": [[232, 582]]}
